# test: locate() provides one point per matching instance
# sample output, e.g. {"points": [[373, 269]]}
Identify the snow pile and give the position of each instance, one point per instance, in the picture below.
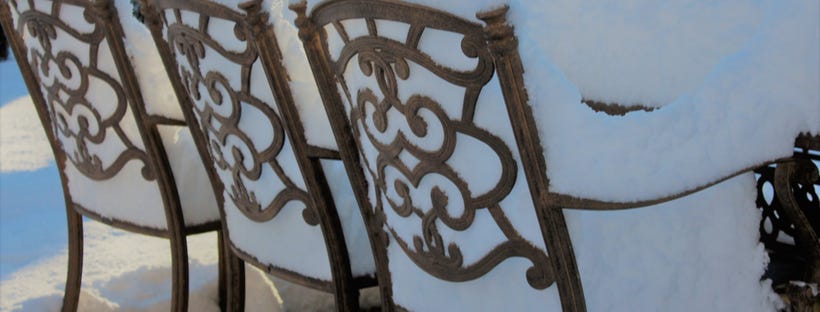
{"points": [[697, 253], [737, 82], [157, 93], [734, 83], [128, 272], [302, 84], [23, 140], [745, 111]]}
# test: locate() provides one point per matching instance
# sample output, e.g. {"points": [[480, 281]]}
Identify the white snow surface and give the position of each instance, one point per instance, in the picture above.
{"points": [[157, 93], [23, 140], [129, 272], [736, 82], [302, 84], [746, 111], [697, 253]]}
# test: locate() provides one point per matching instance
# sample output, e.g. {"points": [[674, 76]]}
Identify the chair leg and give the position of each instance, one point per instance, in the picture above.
{"points": [[179, 268], [234, 277], [223, 274], [71, 297]]}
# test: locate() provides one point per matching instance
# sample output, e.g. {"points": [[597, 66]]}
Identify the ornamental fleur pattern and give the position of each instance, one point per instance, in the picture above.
{"points": [[86, 102], [249, 159], [399, 162]]}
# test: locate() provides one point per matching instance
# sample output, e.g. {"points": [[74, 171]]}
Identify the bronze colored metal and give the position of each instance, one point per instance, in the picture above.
{"points": [[59, 105], [185, 49], [791, 211], [386, 61]]}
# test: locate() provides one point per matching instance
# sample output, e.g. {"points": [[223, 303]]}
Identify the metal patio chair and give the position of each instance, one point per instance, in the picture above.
{"points": [[119, 163], [279, 214], [404, 88]]}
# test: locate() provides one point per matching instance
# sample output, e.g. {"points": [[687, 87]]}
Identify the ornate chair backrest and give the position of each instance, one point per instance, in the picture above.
{"points": [[416, 100], [114, 167], [226, 66]]}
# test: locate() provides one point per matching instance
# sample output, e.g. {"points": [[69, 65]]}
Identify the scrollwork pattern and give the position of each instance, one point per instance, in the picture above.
{"points": [[791, 216], [388, 129], [220, 105], [86, 104]]}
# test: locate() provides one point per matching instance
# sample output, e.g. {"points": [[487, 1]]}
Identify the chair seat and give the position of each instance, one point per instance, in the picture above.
{"points": [[199, 204], [142, 205], [272, 243]]}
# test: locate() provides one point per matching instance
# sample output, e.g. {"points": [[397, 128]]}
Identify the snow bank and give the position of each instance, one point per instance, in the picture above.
{"points": [[23, 142], [745, 111], [697, 253], [737, 82], [128, 272], [733, 83], [157, 92]]}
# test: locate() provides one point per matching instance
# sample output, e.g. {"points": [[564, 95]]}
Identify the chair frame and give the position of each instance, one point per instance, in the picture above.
{"points": [[254, 21], [503, 48], [103, 14]]}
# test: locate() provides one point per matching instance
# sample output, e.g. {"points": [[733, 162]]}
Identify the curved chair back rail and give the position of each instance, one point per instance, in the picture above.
{"points": [[109, 151], [226, 67], [432, 167]]}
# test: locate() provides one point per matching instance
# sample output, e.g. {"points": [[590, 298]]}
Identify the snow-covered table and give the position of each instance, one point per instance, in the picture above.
{"points": [[728, 87]]}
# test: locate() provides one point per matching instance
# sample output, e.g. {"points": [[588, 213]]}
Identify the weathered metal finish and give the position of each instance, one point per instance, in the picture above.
{"points": [[386, 61], [794, 186], [184, 49], [787, 197], [73, 121], [504, 45]]}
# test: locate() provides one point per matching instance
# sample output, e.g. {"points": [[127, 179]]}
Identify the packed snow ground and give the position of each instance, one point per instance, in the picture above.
{"points": [[123, 271], [25, 147]]}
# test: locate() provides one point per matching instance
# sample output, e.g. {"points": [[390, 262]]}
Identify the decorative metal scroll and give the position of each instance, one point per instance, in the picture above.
{"points": [[787, 197], [224, 99], [85, 101], [397, 162]]}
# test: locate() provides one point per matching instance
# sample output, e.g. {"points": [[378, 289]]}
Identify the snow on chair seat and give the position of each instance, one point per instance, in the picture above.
{"points": [[279, 212], [438, 173], [118, 164], [456, 189]]}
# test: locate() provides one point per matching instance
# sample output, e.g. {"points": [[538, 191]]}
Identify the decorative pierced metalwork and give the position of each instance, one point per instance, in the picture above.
{"points": [[224, 106], [74, 63], [86, 125], [787, 197], [405, 143], [237, 99], [386, 61]]}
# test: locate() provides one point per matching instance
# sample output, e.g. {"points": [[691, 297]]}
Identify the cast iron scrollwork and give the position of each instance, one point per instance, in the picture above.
{"points": [[791, 217], [376, 114], [86, 124], [222, 105]]}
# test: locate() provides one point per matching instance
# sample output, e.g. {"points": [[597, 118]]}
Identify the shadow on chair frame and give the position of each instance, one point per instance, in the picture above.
{"points": [[80, 127]]}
